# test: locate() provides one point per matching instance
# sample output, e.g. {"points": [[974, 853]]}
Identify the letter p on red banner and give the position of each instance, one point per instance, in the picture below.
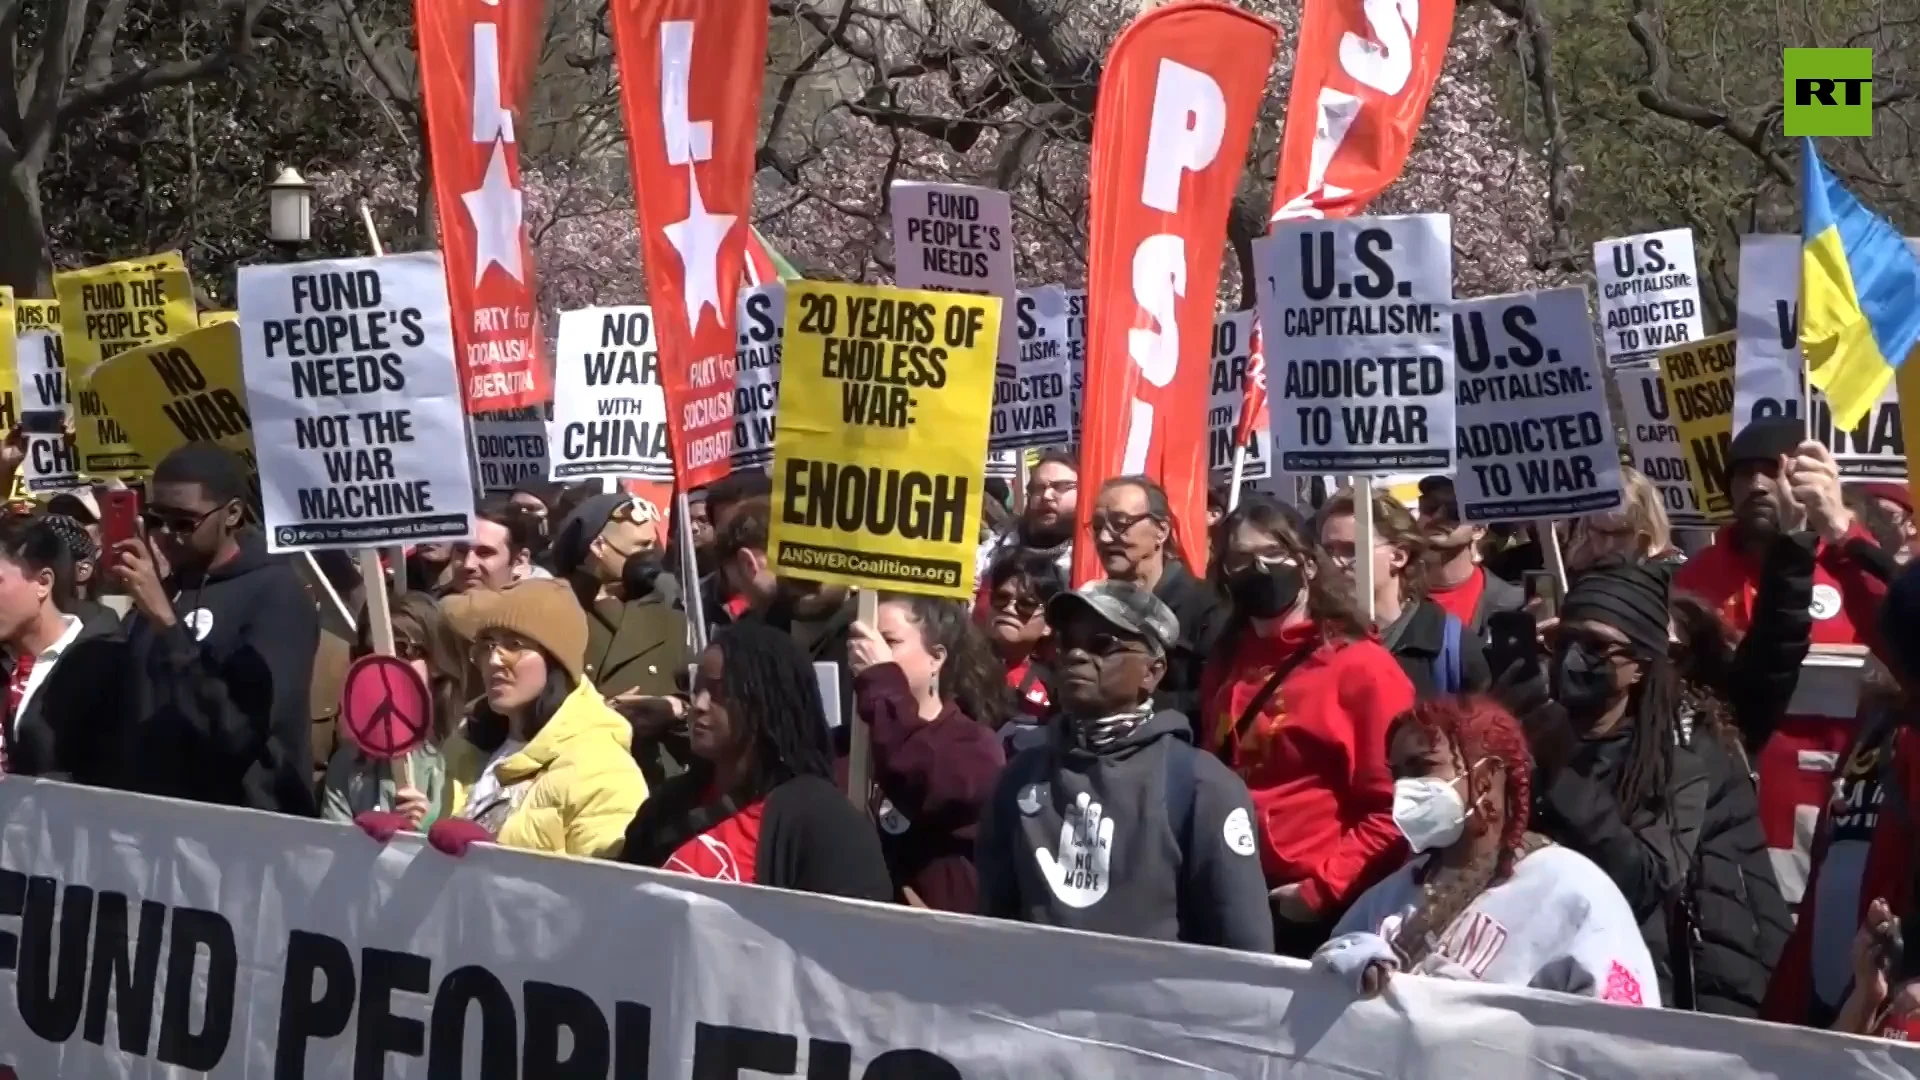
{"points": [[1178, 101]]}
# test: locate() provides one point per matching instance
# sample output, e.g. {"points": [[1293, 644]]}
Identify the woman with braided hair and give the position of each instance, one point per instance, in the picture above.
{"points": [[1484, 898]]}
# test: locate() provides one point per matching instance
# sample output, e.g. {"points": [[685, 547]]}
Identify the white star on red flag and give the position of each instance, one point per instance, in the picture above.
{"points": [[697, 238], [496, 208]]}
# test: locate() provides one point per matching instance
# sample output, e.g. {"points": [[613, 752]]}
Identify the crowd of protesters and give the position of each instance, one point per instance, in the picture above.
{"points": [[1463, 775]]}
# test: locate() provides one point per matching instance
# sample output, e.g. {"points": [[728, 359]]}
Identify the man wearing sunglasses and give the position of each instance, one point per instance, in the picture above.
{"points": [[205, 696], [1117, 823]]}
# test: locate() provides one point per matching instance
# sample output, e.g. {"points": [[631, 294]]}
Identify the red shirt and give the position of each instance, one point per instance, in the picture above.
{"points": [[1315, 758], [1032, 695], [1462, 600], [726, 852], [1725, 578]]}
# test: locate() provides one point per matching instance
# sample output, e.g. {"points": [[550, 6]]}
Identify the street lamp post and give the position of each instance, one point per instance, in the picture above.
{"points": [[290, 212]]}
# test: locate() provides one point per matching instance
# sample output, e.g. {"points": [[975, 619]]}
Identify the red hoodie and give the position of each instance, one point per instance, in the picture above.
{"points": [[1315, 758], [1796, 766]]}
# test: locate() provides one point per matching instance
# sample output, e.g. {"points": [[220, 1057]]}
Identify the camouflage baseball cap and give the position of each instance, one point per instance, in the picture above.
{"points": [[1127, 607]]}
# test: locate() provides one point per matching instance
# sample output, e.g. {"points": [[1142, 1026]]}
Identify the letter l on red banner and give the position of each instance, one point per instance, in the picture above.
{"points": [[1178, 101], [476, 63], [690, 80]]}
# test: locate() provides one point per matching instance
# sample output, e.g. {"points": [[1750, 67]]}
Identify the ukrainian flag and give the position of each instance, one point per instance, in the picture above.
{"points": [[1859, 294]]}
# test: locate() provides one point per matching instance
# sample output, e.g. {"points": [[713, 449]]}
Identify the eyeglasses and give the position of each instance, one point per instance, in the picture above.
{"points": [[168, 521], [1098, 644], [1037, 488], [1236, 562], [1114, 523], [511, 650], [1021, 607]]}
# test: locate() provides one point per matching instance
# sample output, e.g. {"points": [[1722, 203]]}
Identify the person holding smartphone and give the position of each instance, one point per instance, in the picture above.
{"points": [[205, 694]]}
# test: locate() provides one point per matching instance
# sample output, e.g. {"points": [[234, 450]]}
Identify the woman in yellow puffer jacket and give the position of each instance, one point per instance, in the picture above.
{"points": [[541, 763]]}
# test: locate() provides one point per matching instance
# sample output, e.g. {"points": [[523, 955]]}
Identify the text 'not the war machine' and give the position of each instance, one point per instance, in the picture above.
{"points": [[162, 983], [343, 342]]}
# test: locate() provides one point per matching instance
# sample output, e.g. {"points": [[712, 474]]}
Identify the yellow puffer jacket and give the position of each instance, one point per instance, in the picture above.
{"points": [[584, 788]]}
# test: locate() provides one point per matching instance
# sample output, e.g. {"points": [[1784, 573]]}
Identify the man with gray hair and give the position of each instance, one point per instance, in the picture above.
{"points": [[1117, 823]]}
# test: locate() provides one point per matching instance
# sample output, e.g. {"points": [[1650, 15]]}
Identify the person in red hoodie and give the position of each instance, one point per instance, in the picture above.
{"points": [[1774, 474], [1297, 698], [931, 694]]}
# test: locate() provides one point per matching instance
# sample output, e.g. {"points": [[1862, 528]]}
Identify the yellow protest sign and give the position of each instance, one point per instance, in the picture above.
{"points": [[181, 390], [104, 311], [1699, 380], [884, 400], [215, 318], [9, 363]]}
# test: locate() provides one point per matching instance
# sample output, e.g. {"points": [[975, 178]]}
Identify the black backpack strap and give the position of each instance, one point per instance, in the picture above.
{"points": [[1259, 702]]}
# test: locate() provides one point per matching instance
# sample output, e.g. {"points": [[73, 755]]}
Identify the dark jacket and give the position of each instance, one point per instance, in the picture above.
{"points": [[1418, 639], [1202, 616], [213, 709], [1154, 869], [811, 838], [640, 646], [1650, 854], [1736, 922], [29, 737], [934, 776]]}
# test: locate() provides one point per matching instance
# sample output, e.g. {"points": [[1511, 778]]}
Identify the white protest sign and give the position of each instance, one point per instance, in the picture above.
{"points": [[52, 462], [756, 374], [1032, 396], [609, 411], [1232, 349], [1655, 445], [1354, 316], [956, 238], [510, 447], [1767, 375], [1535, 435], [357, 416], [1003, 464], [1649, 294]]}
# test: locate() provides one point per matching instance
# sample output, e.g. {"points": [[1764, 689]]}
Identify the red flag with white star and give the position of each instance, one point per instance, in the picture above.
{"points": [[690, 78], [476, 64]]}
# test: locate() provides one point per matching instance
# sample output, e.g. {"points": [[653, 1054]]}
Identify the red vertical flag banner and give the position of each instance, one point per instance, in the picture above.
{"points": [[690, 78], [476, 65], [1253, 393], [1178, 101], [1362, 76]]}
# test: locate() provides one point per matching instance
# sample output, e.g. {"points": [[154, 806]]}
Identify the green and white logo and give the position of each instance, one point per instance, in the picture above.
{"points": [[1829, 92]]}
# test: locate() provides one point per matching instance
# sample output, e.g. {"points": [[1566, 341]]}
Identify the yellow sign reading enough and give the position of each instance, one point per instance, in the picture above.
{"points": [[104, 311], [885, 396], [181, 390], [1699, 380]]}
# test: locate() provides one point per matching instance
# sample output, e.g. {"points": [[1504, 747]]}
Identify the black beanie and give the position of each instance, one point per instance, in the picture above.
{"points": [[1630, 596], [1765, 439]]}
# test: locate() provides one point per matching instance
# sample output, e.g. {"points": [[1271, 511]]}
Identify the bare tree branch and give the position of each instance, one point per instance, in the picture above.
{"points": [[1645, 26]]}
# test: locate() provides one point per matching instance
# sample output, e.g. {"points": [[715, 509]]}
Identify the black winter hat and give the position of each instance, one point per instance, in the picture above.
{"points": [[1765, 439]]}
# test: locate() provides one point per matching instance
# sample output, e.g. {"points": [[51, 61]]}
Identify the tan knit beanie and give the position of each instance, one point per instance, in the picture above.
{"points": [[541, 610]]}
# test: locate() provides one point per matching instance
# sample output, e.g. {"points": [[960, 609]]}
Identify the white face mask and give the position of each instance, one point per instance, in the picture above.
{"points": [[1430, 812]]}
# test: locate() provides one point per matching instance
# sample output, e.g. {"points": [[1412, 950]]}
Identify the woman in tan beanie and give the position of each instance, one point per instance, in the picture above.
{"points": [[541, 763]]}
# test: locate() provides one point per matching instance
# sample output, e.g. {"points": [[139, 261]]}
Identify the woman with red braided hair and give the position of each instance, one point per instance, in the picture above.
{"points": [[1483, 898]]}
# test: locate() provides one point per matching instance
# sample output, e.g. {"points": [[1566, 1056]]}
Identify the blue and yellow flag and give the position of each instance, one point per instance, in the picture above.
{"points": [[1859, 294]]}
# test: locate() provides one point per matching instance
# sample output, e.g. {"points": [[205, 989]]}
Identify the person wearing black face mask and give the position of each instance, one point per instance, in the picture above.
{"points": [[611, 550], [1614, 780], [1297, 698]]}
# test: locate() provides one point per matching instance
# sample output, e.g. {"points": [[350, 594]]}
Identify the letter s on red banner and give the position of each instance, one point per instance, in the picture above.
{"points": [[1178, 100]]}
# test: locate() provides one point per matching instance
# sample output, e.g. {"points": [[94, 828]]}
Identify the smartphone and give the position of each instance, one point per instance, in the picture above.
{"points": [[43, 423], [119, 517], [1513, 638], [1539, 586]]}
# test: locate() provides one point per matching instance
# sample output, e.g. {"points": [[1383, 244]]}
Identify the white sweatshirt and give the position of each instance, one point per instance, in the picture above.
{"points": [[1559, 923]]}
